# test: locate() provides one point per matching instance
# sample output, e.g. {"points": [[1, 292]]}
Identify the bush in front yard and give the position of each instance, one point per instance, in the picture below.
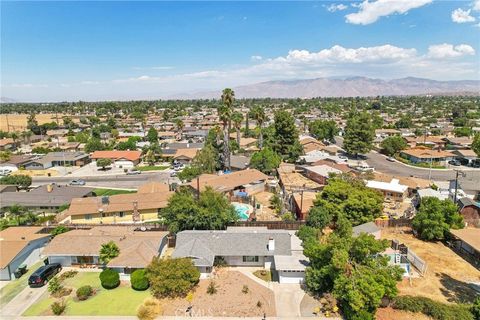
{"points": [[84, 292], [54, 286], [58, 307], [138, 280], [434, 309], [110, 279]]}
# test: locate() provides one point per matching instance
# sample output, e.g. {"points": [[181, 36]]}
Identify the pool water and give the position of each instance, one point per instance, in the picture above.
{"points": [[242, 211]]}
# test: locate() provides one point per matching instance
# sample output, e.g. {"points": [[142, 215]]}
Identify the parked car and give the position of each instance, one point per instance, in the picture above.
{"points": [[454, 162], [77, 182], [173, 174], [5, 172], [133, 171], [41, 276], [391, 159]]}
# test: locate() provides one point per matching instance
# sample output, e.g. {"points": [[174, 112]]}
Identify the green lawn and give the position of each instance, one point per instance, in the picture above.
{"points": [[119, 301], [265, 275], [152, 168], [14, 287], [110, 192]]}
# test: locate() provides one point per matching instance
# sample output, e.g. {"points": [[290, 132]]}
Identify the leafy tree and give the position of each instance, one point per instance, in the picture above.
{"points": [[58, 230], [323, 129], [108, 251], [94, 144], [392, 145], [20, 180], [285, 137], [476, 144], [189, 173], [206, 159], [319, 217], [5, 156], [211, 211], [435, 217], [172, 277], [463, 132], [103, 163], [152, 135], [265, 160], [404, 122], [359, 134]]}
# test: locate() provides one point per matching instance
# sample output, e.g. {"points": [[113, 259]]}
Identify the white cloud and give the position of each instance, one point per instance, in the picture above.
{"points": [[153, 68], [462, 16], [445, 50], [336, 7], [476, 5], [371, 11], [256, 58], [88, 82]]}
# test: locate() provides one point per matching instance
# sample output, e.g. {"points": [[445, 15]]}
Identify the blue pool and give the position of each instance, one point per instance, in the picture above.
{"points": [[242, 210]]}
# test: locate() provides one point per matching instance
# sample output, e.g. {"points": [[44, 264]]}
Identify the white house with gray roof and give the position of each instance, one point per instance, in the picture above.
{"points": [[279, 250]]}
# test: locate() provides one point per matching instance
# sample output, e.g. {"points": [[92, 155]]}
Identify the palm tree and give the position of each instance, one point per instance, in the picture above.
{"points": [[225, 114], [258, 114], [108, 251], [237, 118], [180, 125]]}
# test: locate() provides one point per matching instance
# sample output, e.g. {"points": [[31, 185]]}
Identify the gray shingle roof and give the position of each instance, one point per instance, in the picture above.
{"points": [[369, 227]]}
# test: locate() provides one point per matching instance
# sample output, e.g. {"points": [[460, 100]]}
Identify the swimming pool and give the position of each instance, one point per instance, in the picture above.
{"points": [[242, 210]]}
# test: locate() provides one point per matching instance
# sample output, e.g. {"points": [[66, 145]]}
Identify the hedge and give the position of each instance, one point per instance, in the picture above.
{"points": [[139, 280], [434, 309], [110, 279]]}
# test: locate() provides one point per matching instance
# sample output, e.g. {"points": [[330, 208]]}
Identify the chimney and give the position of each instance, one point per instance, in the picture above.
{"points": [[271, 244], [49, 188]]}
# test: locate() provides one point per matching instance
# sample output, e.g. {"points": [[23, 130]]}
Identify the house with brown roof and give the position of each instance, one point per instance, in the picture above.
{"points": [[303, 202], [117, 209], [81, 248], [120, 158], [418, 155], [20, 246], [291, 180], [7, 144], [311, 144]]}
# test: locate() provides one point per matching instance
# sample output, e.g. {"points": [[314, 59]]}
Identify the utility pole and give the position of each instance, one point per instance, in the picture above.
{"points": [[456, 184]]}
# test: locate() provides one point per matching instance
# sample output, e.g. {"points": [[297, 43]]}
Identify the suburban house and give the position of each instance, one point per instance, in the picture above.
{"points": [[47, 198], [119, 208], [56, 159], [419, 155], [310, 144], [291, 180], [279, 250], [238, 162], [302, 203], [467, 156], [124, 159], [245, 182], [81, 248], [17, 161], [7, 144], [470, 210], [368, 228], [321, 173], [392, 191], [20, 246], [468, 241]]}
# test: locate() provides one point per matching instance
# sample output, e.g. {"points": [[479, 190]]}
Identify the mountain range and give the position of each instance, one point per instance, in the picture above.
{"points": [[346, 87]]}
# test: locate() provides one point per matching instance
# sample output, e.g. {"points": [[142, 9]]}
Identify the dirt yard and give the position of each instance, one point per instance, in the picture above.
{"points": [[266, 213], [390, 314], [18, 122], [229, 300], [447, 277]]}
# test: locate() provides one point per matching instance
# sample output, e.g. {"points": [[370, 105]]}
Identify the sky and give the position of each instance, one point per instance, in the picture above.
{"points": [[70, 51]]}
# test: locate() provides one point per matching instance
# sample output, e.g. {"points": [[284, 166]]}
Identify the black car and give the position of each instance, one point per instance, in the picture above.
{"points": [[454, 162], [40, 277]]}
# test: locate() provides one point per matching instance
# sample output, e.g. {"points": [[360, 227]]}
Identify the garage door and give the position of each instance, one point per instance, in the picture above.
{"points": [[291, 276], [124, 163]]}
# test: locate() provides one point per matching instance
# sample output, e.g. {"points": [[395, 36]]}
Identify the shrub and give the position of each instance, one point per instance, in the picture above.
{"points": [[259, 304], [54, 286], [435, 310], [58, 307], [109, 279], [245, 289], [84, 292], [67, 275], [475, 309], [212, 288], [138, 280], [149, 309]]}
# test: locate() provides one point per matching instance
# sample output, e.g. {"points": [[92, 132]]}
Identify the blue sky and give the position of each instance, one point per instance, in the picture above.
{"points": [[54, 51]]}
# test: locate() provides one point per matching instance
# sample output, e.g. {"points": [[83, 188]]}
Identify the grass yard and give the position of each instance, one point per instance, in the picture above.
{"points": [[119, 301], [265, 275], [152, 168], [14, 287], [110, 192]]}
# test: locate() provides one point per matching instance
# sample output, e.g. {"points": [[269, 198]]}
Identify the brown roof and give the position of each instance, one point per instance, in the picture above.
{"points": [[411, 182], [117, 154], [427, 153], [5, 141], [230, 181], [308, 140], [187, 153], [14, 239], [291, 179], [137, 248], [308, 200], [339, 166], [119, 202], [153, 187], [466, 152], [247, 141], [471, 236]]}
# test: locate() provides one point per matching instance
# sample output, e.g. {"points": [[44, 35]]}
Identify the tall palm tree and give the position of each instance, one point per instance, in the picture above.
{"points": [[180, 125], [258, 114], [225, 114], [237, 118]]}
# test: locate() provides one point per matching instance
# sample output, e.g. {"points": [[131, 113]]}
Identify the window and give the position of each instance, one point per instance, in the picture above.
{"points": [[104, 214], [121, 214], [88, 217], [250, 258]]}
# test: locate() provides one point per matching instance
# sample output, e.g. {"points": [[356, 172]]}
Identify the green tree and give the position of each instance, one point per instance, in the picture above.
{"points": [[393, 145], [323, 129], [108, 251], [319, 217], [359, 134], [435, 217], [152, 135], [463, 132], [94, 144], [476, 144], [285, 137], [20, 180], [172, 277], [212, 211], [404, 122], [58, 230], [5, 156], [103, 163], [265, 160], [237, 118], [258, 113]]}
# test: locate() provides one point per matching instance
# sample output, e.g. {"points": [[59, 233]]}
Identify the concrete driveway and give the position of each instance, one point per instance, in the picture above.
{"points": [[22, 302], [288, 298]]}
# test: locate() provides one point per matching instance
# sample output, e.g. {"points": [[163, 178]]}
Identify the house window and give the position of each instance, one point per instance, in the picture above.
{"points": [[83, 260], [121, 214], [250, 258], [88, 217], [104, 214]]}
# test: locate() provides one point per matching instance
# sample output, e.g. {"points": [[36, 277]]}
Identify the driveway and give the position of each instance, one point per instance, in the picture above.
{"points": [[22, 302], [288, 298]]}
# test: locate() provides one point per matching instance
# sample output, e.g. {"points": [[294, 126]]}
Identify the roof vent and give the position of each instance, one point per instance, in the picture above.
{"points": [[105, 200], [271, 244]]}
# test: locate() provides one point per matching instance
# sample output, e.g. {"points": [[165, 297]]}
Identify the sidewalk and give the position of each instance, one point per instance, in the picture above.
{"points": [[21, 302]]}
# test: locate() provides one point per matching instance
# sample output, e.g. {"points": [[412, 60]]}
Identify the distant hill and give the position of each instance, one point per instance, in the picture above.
{"points": [[347, 87], [7, 100]]}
